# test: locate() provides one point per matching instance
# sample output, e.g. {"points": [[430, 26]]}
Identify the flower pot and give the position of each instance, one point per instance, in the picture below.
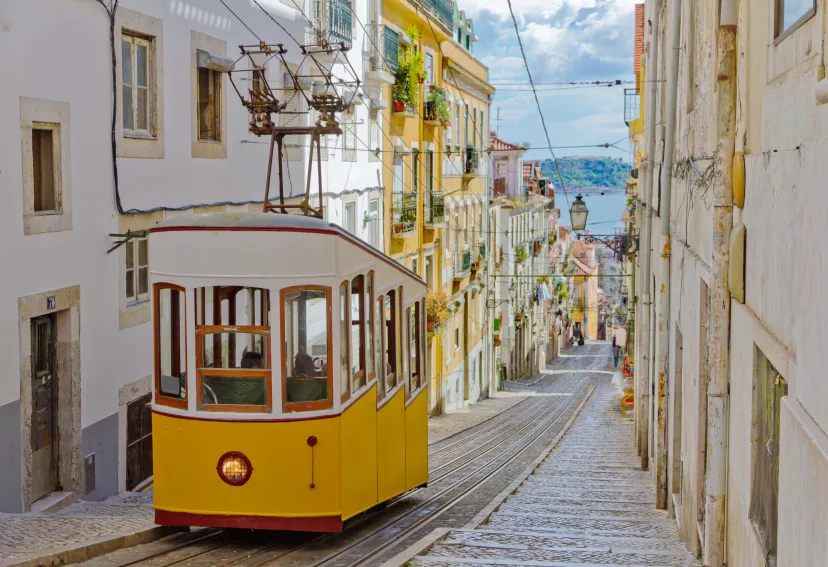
{"points": [[430, 326], [497, 341], [421, 80], [399, 106], [398, 228], [431, 88]]}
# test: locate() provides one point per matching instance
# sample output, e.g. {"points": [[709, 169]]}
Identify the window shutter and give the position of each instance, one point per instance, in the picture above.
{"points": [[374, 141], [349, 137], [398, 174]]}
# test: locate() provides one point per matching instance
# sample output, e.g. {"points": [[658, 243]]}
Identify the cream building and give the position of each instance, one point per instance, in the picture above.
{"points": [[735, 429]]}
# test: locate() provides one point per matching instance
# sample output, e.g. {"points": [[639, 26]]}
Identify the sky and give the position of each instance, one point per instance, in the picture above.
{"points": [[565, 41]]}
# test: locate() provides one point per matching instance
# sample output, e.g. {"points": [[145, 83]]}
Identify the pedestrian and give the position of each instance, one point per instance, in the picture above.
{"points": [[616, 354]]}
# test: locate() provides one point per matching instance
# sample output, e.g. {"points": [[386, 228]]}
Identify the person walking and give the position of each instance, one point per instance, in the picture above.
{"points": [[616, 354]]}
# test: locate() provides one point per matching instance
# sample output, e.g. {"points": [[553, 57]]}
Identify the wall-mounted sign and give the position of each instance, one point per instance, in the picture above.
{"points": [[51, 302]]}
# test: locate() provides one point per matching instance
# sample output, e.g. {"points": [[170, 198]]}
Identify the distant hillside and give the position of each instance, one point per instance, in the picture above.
{"points": [[589, 171]]}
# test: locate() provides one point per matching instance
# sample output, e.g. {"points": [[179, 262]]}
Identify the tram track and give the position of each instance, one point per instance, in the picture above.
{"points": [[459, 466], [367, 551]]}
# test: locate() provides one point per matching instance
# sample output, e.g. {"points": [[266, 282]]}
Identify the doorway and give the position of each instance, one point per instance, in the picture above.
{"points": [[44, 430], [139, 441]]}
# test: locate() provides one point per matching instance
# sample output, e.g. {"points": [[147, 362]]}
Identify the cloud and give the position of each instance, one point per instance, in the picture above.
{"points": [[564, 41]]}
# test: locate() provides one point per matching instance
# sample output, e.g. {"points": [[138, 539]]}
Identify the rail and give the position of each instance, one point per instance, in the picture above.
{"points": [[462, 264], [436, 209], [382, 44], [404, 213]]}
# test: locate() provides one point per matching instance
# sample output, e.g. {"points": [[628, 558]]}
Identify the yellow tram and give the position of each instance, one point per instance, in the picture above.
{"points": [[290, 373]]}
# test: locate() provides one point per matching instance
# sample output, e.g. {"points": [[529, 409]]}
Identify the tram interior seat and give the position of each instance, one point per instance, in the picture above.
{"points": [[306, 384]]}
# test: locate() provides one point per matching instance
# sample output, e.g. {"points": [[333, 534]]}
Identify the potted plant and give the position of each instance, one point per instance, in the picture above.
{"points": [[400, 94], [437, 309], [437, 107], [521, 255]]}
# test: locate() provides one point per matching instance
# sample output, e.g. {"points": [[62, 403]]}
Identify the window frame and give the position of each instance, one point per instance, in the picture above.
{"points": [[780, 33], [160, 398], [134, 39], [217, 80], [368, 328], [291, 407], [359, 379], [266, 373], [379, 326], [57, 195], [137, 298], [406, 351], [345, 340], [389, 341]]}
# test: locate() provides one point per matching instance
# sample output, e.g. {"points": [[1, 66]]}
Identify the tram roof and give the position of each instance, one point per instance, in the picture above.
{"points": [[271, 221]]}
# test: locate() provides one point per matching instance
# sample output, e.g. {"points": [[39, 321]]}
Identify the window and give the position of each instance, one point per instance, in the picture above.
{"points": [[429, 69], [233, 348], [465, 225], [459, 36], [429, 269], [482, 135], [349, 220], [370, 339], [414, 266], [466, 128], [170, 346], [406, 351], [456, 334], [357, 336], [449, 136], [379, 325], [136, 78], [137, 270], [768, 390], [474, 128], [457, 128], [415, 338], [415, 170], [373, 211], [349, 136], [139, 441], [428, 167], [468, 43], [45, 165], [209, 105], [374, 136], [306, 324], [390, 340], [790, 14], [344, 340], [398, 173]]}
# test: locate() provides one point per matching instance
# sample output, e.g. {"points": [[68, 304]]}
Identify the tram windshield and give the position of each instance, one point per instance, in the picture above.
{"points": [[233, 348], [306, 336]]}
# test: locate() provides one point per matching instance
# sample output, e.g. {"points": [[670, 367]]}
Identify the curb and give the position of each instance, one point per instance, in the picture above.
{"points": [[96, 547], [418, 548], [488, 419], [483, 516], [436, 536]]}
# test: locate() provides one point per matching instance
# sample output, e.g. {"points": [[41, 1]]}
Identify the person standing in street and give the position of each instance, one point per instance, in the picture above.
{"points": [[616, 354]]}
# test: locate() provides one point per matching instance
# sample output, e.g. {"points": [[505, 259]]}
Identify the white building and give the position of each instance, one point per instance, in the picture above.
{"points": [[76, 361], [736, 431]]}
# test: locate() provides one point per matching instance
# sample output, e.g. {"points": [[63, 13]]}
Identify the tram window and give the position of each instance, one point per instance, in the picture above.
{"points": [[405, 351], [306, 333], [390, 331], [232, 305], [378, 336], [344, 342], [414, 339], [170, 346], [357, 338], [369, 327], [422, 343], [398, 325]]}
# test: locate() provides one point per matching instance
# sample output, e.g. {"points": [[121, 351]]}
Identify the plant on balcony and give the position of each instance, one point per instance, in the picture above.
{"points": [[437, 108], [437, 309], [400, 94], [521, 255]]}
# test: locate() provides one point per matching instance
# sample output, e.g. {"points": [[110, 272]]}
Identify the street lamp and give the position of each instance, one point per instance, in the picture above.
{"points": [[578, 214], [513, 292]]}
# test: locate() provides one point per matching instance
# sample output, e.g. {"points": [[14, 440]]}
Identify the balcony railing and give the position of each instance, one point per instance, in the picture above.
{"points": [[442, 9], [462, 265], [404, 213], [632, 105], [435, 209], [332, 22]]}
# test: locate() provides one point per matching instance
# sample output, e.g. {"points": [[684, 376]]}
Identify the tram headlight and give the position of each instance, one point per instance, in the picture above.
{"points": [[234, 468]]}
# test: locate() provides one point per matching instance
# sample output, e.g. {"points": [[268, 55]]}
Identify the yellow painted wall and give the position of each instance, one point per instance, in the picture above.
{"points": [[359, 455], [416, 441], [391, 447], [186, 453]]}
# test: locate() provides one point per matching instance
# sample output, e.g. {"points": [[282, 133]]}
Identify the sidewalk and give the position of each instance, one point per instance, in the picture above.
{"points": [[78, 532], [585, 503], [89, 529]]}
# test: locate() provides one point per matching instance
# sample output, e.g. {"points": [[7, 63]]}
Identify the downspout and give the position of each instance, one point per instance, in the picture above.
{"points": [[715, 481], [644, 349], [663, 316]]}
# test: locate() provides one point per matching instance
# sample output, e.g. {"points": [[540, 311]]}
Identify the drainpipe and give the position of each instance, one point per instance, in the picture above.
{"points": [[644, 368], [663, 318], [715, 482]]}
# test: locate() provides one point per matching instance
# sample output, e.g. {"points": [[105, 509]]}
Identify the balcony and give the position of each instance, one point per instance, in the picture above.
{"points": [[442, 9], [480, 259], [632, 105], [435, 211], [332, 22], [404, 213], [462, 265], [471, 162], [382, 45]]}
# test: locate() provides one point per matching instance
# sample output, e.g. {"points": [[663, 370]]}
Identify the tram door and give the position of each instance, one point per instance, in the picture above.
{"points": [[44, 397]]}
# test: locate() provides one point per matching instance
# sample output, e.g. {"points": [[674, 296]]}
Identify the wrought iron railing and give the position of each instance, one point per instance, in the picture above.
{"points": [[404, 213], [482, 252], [442, 9], [332, 21], [632, 105], [383, 47], [462, 264], [436, 209]]}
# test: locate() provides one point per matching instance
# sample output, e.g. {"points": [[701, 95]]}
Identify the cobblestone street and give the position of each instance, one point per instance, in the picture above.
{"points": [[586, 503]]}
